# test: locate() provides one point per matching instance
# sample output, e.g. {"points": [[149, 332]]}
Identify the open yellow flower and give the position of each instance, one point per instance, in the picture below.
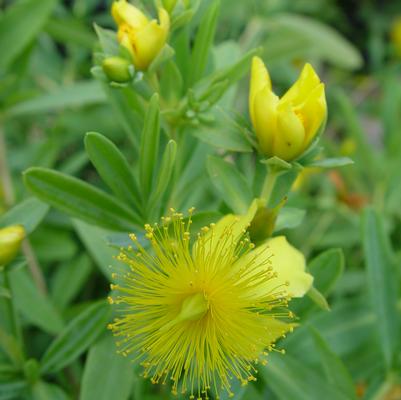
{"points": [[142, 37], [201, 315], [10, 242], [286, 127]]}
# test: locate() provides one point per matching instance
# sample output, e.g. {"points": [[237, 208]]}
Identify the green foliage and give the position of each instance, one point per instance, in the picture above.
{"points": [[179, 135]]}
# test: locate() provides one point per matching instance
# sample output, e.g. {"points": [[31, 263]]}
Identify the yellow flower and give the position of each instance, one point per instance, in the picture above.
{"points": [[395, 34], [10, 242], [286, 127], [143, 38], [201, 315]]}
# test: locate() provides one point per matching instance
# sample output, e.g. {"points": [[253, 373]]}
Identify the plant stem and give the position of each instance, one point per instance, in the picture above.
{"points": [[269, 183], [15, 328]]}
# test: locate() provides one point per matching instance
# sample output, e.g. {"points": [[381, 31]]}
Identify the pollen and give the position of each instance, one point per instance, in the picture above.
{"points": [[198, 310]]}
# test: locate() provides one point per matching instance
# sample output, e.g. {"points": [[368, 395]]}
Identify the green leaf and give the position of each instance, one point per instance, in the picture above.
{"points": [[79, 199], [318, 37], [289, 378], [12, 390], [165, 172], [112, 167], [203, 42], [288, 218], [164, 55], [71, 30], [48, 391], [318, 298], [383, 279], [29, 213], [94, 239], [230, 184], [20, 25], [32, 304], [69, 279], [75, 95], [326, 269], [104, 365], [335, 371], [77, 336], [108, 41], [223, 132], [149, 146], [331, 162]]}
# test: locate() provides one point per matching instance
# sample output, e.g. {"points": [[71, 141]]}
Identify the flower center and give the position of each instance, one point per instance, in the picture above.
{"points": [[193, 308]]}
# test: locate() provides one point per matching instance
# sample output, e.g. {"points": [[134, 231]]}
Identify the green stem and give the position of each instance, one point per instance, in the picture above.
{"points": [[269, 183], [15, 328]]}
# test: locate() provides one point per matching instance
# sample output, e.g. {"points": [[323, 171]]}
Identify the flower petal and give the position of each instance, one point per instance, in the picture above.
{"points": [[259, 80], [126, 13], [301, 89], [290, 139], [265, 119]]}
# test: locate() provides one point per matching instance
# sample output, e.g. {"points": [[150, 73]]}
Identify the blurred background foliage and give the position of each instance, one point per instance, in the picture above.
{"points": [[49, 100]]}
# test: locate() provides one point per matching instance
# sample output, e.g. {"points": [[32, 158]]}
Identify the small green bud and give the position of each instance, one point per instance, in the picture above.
{"points": [[10, 242], [117, 69]]}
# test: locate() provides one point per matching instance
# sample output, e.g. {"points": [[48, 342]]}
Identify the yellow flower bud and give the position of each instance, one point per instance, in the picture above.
{"points": [[142, 37], [286, 127], [395, 35], [10, 242], [116, 69]]}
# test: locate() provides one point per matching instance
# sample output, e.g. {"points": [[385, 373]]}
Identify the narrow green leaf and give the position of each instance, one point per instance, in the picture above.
{"points": [[289, 378], [165, 172], [104, 365], [318, 298], [335, 371], [230, 184], [69, 279], [383, 278], [12, 390], [331, 162], [48, 391], [33, 305], [79, 199], [112, 167], [164, 55], [96, 243], [327, 268], [78, 335], [324, 40], [29, 213], [76, 95], [289, 218], [203, 42], [108, 41], [19, 26], [149, 146]]}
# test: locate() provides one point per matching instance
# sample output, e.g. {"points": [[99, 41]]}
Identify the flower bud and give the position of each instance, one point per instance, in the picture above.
{"points": [[142, 37], [10, 242], [285, 127], [117, 69]]}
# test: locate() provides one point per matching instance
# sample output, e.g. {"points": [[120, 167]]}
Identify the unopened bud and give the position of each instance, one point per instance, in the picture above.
{"points": [[117, 69], [10, 242]]}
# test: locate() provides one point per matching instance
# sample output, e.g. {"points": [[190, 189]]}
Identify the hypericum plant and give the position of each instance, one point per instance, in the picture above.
{"points": [[196, 311]]}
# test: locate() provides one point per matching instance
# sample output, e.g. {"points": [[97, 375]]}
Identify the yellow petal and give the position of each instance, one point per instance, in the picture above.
{"points": [[286, 261], [289, 141], [289, 263], [149, 40], [313, 112], [265, 119], [126, 13], [225, 234], [259, 80], [301, 89]]}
